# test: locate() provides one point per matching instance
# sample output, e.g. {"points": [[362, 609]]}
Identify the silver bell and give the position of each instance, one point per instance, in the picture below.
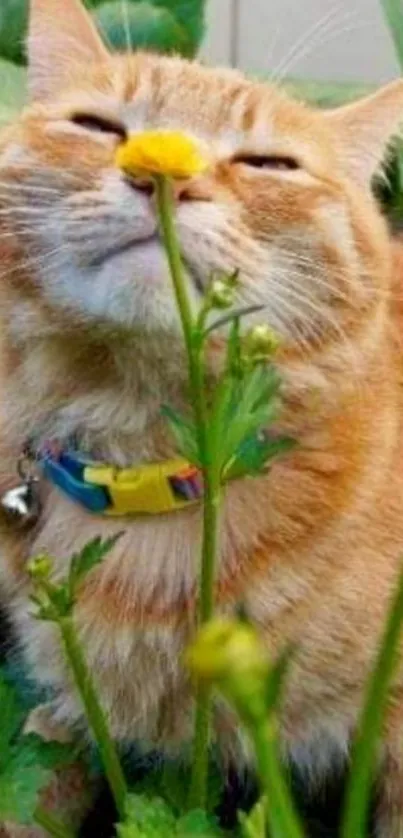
{"points": [[22, 504]]}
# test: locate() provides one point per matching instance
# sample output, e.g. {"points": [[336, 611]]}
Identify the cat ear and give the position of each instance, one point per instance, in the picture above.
{"points": [[365, 130], [61, 34]]}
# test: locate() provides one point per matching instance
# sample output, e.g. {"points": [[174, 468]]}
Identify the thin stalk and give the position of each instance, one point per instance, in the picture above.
{"points": [[212, 489], [164, 201], [48, 821], [363, 762], [280, 812], [94, 712]]}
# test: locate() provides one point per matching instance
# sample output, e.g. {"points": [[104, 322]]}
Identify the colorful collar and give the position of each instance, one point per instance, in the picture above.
{"points": [[107, 490]]}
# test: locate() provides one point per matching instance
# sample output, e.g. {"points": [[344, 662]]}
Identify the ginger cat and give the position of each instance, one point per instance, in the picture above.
{"points": [[91, 347]]}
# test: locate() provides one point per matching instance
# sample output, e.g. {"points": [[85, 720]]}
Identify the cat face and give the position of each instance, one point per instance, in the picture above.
{"points": [[285, 200]]}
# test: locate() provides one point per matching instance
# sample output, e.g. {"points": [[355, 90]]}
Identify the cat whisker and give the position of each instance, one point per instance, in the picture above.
{"points": [[323, 315], [330, 36], [311, 32], [105, 37], [126, 25], [25, 188]]}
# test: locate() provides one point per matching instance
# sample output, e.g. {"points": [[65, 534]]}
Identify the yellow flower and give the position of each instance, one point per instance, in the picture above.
{"points": [[227, 648], [167, 153]]}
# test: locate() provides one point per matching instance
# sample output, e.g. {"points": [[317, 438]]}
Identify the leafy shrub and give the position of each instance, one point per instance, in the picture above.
{"points": [[160, 25]]}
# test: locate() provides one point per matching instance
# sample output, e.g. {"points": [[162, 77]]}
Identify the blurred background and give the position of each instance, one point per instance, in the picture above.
{"points": [[346, 40]]}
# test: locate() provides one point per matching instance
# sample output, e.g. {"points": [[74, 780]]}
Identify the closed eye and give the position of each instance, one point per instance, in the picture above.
{"points": [[100, 124], [274, 162]]}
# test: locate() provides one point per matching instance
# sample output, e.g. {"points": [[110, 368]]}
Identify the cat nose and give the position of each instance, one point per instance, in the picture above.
{"points": [[182, 189]]}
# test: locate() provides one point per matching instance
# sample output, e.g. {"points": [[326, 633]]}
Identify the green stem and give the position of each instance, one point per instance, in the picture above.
{"points": [[280, 811], [94, 712], [363, 763], [197, 798], [51, 824], [164, 200], [212, 493]]}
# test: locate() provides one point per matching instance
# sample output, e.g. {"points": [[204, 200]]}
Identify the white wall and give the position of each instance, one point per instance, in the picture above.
{"points": [[316, 39]]}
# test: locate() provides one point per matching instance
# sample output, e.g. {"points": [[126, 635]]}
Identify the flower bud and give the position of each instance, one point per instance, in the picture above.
{"points": [[260, 343], [40, 567], [221, 294]]}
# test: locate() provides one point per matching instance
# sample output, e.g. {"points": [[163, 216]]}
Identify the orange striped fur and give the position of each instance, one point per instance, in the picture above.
{"points": [[91, 346]]}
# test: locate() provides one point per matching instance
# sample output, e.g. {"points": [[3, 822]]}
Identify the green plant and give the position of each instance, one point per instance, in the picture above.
{"points": [[55, 603], [26, 765], [390, 187], [364, 757], [161, 25], [13, 25], [168, 26], [230, 655], [152, 817], [393, 12], [223, 437]]}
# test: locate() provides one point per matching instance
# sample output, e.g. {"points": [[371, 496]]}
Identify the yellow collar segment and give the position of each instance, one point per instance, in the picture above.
{"points": [[153, 488]]}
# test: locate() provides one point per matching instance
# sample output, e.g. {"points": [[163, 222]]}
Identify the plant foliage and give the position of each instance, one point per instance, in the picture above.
{"points": [[26, 761], [167, 26]]}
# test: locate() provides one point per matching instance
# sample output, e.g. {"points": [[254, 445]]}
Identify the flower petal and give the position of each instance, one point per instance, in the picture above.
{"points": [[167, 153]]}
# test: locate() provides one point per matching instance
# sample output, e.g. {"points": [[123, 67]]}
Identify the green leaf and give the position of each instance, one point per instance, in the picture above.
{"points": [[142, 26], [60, 600], [52, 603], [90, 557], [257, 406], [233, 365], [45, 610], [253, 825], [255, 455], [12, 717], [26, 762], [173, 786], [13, 25], [369, 731], [147, 817], [21, 782], [152, 817], [48, 754], [198, 823], [235, 314], [393, 12], [190, 14], [184, 432]]}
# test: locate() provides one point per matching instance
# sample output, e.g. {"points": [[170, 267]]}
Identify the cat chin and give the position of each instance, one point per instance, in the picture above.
{"points": [[131, 289]]}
